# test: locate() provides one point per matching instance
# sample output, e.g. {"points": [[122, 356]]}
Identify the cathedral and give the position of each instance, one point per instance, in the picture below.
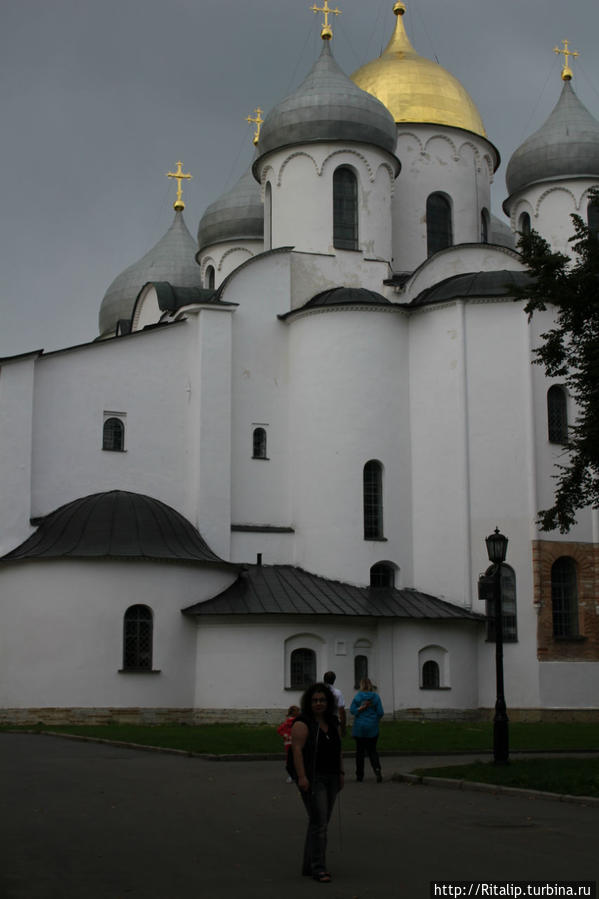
{"points": [[286, 445]]}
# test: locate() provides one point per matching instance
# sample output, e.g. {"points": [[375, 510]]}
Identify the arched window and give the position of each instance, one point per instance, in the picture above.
{"points": [[137, 639], [210, 276], [509, 620], [564, 597], [268, 216], [484, 226], [259, 444], [373, 500], [593, 218], [382, 575], [303, 668], [524, 224], [439, 230], [360, 670], [345, 209], [557, 415], [113, 435], [431, 679]]}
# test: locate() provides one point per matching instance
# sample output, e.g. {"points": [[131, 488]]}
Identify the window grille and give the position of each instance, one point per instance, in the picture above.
{"points": [[360, 670], [557, 415], [345, 209], [525, 223], [593, 218], [113, 435], [382, 575], [439, 231], [303, 668], [509, 619], [564, 597], [430, 676], [137, 640], [259, 443], [373, 500]]}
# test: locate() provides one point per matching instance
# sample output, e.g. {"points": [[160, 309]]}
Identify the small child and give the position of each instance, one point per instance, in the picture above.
{"points": [[284, 730]]}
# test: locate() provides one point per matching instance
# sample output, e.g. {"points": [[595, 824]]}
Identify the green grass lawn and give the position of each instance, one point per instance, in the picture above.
{"points": [[396, 736], [573, 776]]}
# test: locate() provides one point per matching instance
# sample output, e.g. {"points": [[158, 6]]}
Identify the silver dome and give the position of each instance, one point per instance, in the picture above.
{"points": [[171, 259], [328, 106], [566, 146], [237, 215]]}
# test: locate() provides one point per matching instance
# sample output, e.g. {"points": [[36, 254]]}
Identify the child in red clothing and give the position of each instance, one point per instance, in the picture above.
{"points": [[284, 730]]}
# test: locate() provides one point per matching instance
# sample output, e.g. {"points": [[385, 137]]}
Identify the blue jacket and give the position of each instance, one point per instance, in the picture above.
{"points": [[366, 723]]}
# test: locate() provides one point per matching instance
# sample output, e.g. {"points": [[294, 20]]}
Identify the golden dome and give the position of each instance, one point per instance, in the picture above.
{"points": [[415, 89]]}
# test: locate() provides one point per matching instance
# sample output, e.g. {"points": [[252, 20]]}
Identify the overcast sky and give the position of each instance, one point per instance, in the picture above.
{"points": [[100, 98]]}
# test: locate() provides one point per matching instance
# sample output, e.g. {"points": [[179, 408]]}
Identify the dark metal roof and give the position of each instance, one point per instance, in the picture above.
{"points": [[342, 296], [116, 524], [500, 283], [172, 297], [286, 590], [236, 215]]}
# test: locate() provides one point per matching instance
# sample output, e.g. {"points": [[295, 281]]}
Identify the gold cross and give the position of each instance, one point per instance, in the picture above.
{"points": [[566, 70], [179, 175], [327, 32], [256, 120]]}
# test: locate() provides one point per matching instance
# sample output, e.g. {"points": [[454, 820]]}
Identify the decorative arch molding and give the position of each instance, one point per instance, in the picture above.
{"points": [[410, 134], [554, 190], [519, 207], [207, 261], [390, 172], [441, 137], [585, 195], [266, 173], [288, 159], [234, 250], [489, 162], [438, 655], [471, 146], [345, 151]]}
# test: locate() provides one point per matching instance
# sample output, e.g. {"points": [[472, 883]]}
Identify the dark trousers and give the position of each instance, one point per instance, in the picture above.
{"points": [[366, 746], [319, 802]]}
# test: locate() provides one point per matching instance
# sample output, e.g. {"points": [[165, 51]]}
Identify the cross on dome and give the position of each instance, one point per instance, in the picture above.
{"points": [[566, 70], [179, 205], [327, 32], [256, 120]]}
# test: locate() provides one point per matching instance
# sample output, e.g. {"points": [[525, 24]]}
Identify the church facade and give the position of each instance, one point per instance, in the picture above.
{"points": [[286, 447]]}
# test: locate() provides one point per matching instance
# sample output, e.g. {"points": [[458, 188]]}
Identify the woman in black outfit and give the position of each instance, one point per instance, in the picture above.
{"points": [[316, 750]]}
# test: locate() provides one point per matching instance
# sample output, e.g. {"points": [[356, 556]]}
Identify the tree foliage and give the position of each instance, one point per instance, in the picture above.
{"points": [[570, 351]]}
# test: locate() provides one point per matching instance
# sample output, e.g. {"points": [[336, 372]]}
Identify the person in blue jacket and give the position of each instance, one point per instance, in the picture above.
{"points": [[367, 710]]}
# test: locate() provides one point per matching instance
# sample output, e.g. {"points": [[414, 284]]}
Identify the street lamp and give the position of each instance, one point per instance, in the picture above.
{"points": [[496, 550]]}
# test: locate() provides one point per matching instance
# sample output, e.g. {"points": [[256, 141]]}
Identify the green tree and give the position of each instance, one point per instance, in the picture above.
{"points": [[570, 351]]}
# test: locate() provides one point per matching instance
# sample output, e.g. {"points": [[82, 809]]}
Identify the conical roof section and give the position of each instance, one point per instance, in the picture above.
{"points": [[172, 259], [566, 146], [416, 89], [236, 215], [327, 106]]}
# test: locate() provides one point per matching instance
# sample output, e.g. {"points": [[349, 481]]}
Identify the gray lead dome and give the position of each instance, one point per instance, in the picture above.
{"points": [[328, 106], [566, 146], [172, 259], [237, 215]]}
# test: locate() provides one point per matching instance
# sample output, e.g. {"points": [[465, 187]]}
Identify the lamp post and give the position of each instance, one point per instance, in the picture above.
{"points": [[496, 550]]}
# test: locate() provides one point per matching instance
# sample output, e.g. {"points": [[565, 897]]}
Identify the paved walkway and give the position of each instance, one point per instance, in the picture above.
{"points": [[90, 821]]}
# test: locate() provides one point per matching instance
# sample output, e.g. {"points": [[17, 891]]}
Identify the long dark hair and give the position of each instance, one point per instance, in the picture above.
{"points": [[306, 702]]}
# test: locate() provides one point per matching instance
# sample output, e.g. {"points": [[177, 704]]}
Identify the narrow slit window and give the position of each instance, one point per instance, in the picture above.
{"points": [[525, 224], [113, 435], [564, 597], [509, 620], [439, 229], [137, 639], [373, 500], [259, 444], [557, 415], [345, 209]]}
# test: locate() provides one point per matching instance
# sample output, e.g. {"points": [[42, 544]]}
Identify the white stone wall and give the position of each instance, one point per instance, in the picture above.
{"points": [[451, 161], [16, 425], [349, 405], [225, 257], [61, 641], [301, 182], [550, 205]]}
